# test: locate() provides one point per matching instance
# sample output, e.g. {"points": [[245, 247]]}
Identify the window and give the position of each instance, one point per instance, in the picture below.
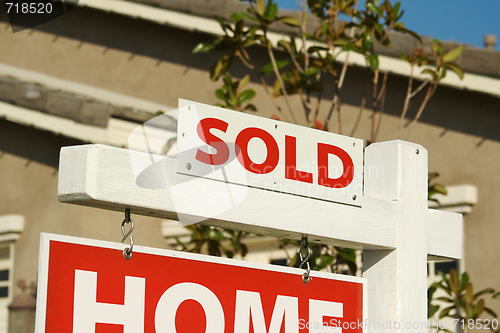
{"points": [[5, 284], [4, 271], [279, 262], [445, 266]]}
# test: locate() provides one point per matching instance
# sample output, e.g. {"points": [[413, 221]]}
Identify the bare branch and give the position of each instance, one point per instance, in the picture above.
{"points": [[280, 81], [430, 90], [381, 109], [419, 88], [244, 55], [374, 104], [351, 34], [297, 65], [359, 116]]}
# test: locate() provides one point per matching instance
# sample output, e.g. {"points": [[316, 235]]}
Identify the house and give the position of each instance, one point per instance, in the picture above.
{"points": [[96, 73]]}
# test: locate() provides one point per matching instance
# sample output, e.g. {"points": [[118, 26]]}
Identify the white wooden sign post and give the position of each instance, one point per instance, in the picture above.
{"points": [[393, 225]]}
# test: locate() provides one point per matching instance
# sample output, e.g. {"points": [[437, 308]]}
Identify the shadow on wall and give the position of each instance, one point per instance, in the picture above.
{"points": [[454, 109], [32, 144], [458, 110]]}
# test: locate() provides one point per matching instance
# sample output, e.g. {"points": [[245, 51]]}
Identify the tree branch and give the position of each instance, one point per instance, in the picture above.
{"points": [[374, 105], [246, 58], [430, 90], [359, 116], [280, 81]]}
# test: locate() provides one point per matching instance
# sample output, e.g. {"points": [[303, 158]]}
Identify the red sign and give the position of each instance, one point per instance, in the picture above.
{"points": [[87, 286]]}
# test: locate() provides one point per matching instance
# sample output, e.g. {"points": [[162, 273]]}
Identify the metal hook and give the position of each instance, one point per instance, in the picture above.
{"points": [[127, 252], [304, 244]]}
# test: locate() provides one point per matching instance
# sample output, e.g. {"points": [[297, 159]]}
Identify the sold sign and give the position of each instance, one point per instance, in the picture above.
{"points": [[253, 151], [86, 286]]}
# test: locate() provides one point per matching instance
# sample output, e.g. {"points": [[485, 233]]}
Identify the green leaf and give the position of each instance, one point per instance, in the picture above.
{"points": [[444, 279], [220, 94], [238, 16], [221, 66], [446, 311], [268, 68], [277, 89], [395, 10], [244, 81], [445, 299], [284, 44], [480, 307], [291, 21], [491, 312], [181, 244], [496, 296], [246, 96], [340, 42], [464, 278], [282, 63], [469, 293], [372, 61], [437, 47], [432, 175], [250, 107], [371, 7], [228, 253], [261, 6], [213, 248], [400, 27], [367, 40], [203, 47], [455, 69], [346, 254], [311, 71], [482, 292], [440, 189], [313, 49], [271, 10], [243, 250], [453, 54], [430, 72], [433, 310], [453, 278], [404, 57], [216, 235], [441, 72], [350, 47]]}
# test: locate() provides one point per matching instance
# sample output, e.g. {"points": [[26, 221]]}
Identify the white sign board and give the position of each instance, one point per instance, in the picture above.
{"points": [[239, 148]]}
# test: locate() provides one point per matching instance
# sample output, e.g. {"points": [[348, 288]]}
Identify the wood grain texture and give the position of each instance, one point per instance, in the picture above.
{"points": [[398, 279], [445, 235], [394, 226], [102, 176]]}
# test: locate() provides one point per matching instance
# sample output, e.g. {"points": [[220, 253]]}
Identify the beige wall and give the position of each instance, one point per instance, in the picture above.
{"points": [[461, 129], [28, 183]]}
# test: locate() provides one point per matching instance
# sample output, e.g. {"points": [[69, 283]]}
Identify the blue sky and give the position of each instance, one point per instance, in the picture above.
{"points": [[464, 21]]}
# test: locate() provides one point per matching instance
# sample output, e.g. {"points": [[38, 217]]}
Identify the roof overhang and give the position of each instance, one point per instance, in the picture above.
{"points": [[473, 82]]}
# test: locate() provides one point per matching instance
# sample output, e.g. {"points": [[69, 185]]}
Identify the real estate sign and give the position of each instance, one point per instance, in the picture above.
{"points": [[244, 149], [87, 286]]}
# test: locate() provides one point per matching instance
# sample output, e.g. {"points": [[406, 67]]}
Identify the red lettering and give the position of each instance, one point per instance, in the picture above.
{"points": [[203, 130], [291, 162], [273, 153], [348, 166]]}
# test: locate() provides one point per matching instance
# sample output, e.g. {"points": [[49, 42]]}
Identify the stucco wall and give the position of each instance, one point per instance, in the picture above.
{"points": [[28, 179], [459, 128]]}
